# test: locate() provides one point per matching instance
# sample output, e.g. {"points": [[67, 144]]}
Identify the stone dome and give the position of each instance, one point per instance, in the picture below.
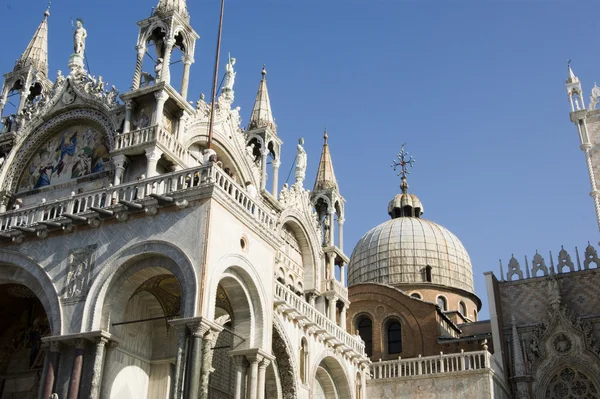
{"points": [[400, 251]]}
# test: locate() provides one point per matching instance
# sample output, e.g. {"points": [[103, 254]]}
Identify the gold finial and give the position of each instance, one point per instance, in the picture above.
{"points": [[404, 160]]}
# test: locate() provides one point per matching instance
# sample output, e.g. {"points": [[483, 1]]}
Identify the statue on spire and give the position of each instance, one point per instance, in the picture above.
{"points": [[300, 162], [79, 37], [229, 75], [404, 161]]}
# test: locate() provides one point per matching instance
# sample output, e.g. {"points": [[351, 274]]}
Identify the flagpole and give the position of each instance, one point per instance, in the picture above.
{"points": [[215, 78]]}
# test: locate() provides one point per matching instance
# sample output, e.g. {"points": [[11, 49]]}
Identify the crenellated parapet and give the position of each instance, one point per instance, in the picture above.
{"points": [[541, 266]]}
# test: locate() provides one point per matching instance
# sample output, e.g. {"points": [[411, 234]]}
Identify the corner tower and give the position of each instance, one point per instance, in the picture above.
{"points": [[155, 112]]}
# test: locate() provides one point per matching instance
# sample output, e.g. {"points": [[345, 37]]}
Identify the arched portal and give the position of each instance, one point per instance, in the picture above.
{"points": [[136, 311], [331, 381], [23, 322], [281, 375]]}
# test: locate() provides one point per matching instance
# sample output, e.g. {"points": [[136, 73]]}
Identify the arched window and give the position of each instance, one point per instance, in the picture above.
{"points": [[442, 303], [394, 337], [303, 360], [462, 308], [416, 295], [365, 330], [428, 274]]}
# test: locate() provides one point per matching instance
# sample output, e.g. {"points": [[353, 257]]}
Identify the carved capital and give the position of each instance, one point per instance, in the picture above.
{"points": [[153, 154], [187, 59], [101, 342], [170, 42], [141, 49], [276, 163], [264, 363], [120, 161], [54, 346], [198, 329], [129, 105], [80, 343], [161, 95]]}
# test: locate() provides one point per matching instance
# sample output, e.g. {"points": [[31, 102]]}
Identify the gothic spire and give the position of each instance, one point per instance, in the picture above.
{"points": [[261, 113], [325, 175], [519, 362], [36, 53], [179, 6], [572, 78]]}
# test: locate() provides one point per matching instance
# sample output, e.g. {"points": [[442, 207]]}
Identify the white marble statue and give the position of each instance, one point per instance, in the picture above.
{"points": [[79, 38], [300, 162], [229, 75]]}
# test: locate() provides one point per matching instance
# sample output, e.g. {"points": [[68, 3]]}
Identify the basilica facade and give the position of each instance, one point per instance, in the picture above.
{"points": [[147, 250]]}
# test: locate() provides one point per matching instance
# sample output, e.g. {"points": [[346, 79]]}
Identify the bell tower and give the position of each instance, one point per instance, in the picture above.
{"points": [[155, 111]]}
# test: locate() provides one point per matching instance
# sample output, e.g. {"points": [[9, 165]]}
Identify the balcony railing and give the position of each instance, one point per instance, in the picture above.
{"points": [[201, 176], [335, 286], [309, 314], [451, 363], [154, 135]]}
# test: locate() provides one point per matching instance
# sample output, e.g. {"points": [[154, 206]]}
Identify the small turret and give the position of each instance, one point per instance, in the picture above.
{"points": [[262, 134], [574, 90], [29, 77]]}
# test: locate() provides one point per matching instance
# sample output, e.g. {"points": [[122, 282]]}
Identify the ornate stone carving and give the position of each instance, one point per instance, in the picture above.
{"points": [[564, 260], [79, 272], [301, 159], [591, 256], [285, 365], [538, 263], [561, 344], [514, 268]]}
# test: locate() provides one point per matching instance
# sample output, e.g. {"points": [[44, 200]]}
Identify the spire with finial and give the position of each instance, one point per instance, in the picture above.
{"points": [[572, 78], [574, 90], [262, 115], [179, 6], [36, 53], [404, 204], [325, 175]]}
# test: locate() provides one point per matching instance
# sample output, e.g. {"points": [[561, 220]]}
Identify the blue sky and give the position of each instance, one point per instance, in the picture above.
{"points": [[476, 89]]}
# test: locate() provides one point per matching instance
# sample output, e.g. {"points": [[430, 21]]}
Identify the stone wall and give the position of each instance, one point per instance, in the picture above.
{"points": [[464, 385]]}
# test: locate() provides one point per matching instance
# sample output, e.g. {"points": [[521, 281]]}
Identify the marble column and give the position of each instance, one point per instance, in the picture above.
{"points": [[185, 79], [343, 317], [98, 367], [331, 265], [165, 75], [153, 154], [137, 76], [343, 275], [51, 370], [262, 371], [76, 371], [240, 376], [161, 98], [332, 307], [194, 363], [128, 116], [276, 164], [23, 99], [263, 183], [254, 360], [119, 161], [3, 101], [331, 216], [176, 383], [208, 341], [341, 221]]}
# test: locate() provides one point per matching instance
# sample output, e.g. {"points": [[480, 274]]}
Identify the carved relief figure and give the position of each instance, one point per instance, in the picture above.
{"points": [[79, 37], [79, 271], [77, 151]]}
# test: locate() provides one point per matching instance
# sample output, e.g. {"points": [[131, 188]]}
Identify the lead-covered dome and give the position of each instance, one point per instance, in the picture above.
{"points": [[400, 251], [410, 250]]}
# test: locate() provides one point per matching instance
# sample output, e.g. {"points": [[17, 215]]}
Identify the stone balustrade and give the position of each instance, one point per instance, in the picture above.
{"points": [[450, 363], [311, 316], [201, 176], [335, 286], [154, 135]]}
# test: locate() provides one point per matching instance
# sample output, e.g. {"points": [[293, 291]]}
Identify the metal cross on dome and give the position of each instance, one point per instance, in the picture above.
{"points": [[404, 161]]}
